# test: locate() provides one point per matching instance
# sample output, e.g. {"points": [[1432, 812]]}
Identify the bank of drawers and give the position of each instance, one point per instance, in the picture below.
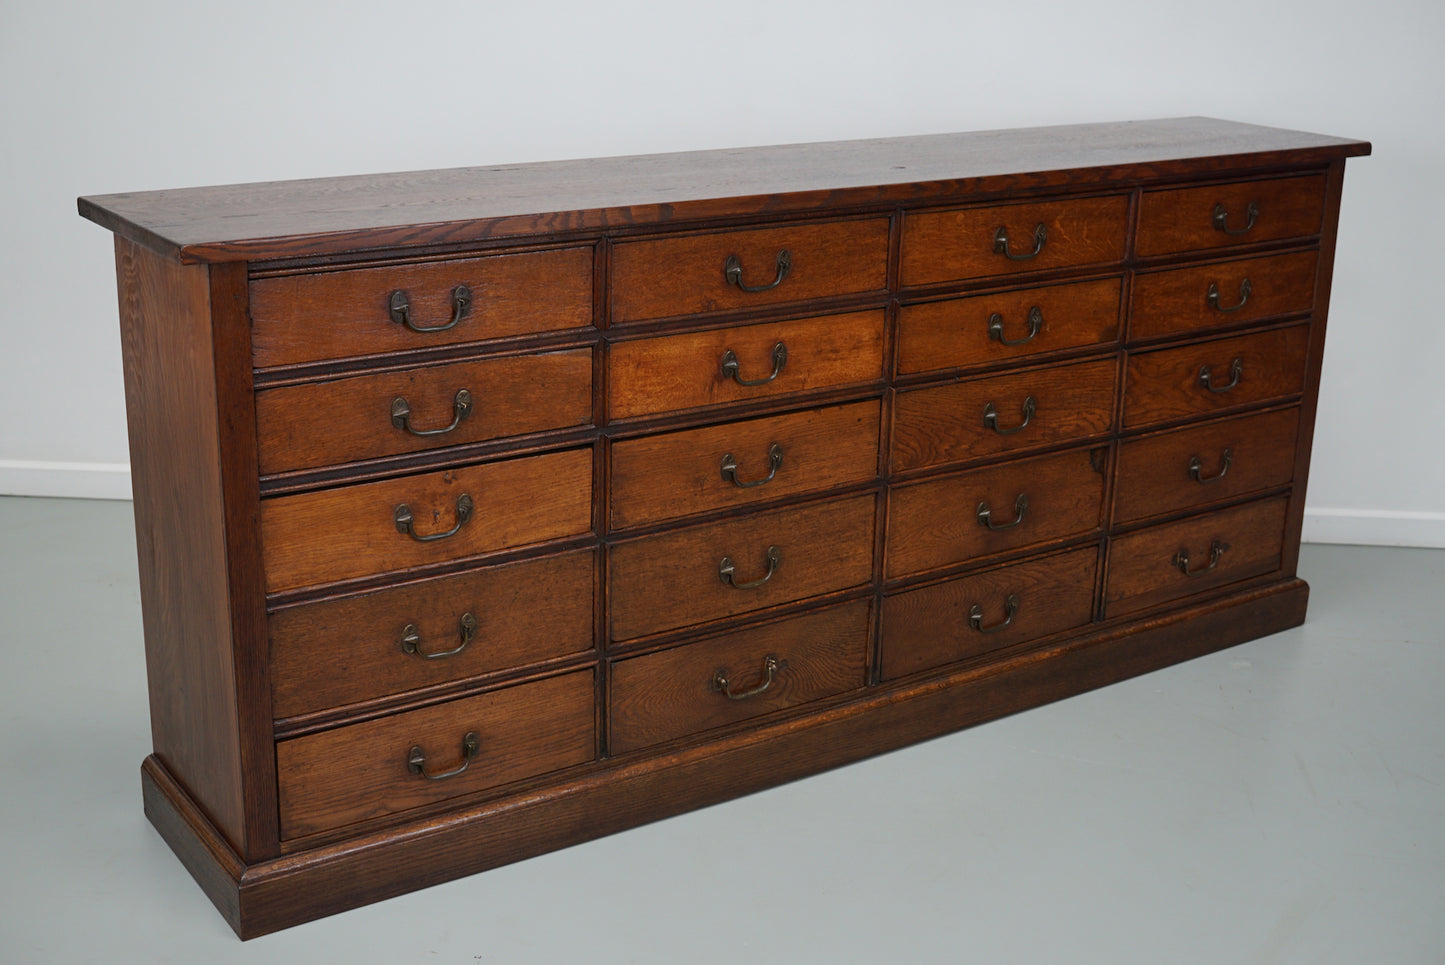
{"points": [[504, 534]]}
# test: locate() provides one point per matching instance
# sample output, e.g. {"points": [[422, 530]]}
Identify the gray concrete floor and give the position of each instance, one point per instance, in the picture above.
{"points": [[1282, 801]]}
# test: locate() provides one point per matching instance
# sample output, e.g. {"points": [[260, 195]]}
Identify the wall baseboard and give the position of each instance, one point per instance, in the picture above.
{"points": [[76, 480]]}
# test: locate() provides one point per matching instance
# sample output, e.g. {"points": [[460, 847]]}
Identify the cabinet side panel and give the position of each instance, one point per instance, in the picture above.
{"points": [[180, 527]]}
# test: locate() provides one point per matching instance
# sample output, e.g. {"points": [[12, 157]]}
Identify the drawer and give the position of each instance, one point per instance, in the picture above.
{"points": [[973, 615], [681, 473], [1175, 560], [1246, 212], [941, 246], [380, 767], [1195, 465], [984, 417], [721, 569], [430, 632], [1018, 504], [696, 369], [324, 423], [365, 311], [694, 274], [1003, 326], [738, 676], [1212, 296], [353, 531], [1195, 380]]}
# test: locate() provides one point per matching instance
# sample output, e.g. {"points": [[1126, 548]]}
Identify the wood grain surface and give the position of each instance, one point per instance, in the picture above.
{"points": [[1177, 301], [1182, 219]]}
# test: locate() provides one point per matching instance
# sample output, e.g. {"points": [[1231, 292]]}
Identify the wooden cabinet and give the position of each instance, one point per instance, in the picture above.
{"points": [[487, 511]]}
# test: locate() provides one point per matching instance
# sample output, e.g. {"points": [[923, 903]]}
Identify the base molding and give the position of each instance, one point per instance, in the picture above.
{"points": [[285, 891]]}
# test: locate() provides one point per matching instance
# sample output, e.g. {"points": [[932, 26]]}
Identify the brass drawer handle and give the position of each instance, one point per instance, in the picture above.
{"points": [[1211, 297], [404, 520], [401, 414], [725, 571], [1206, 378], [416, 759], [975, 615], [1221, 219], [733, 272], [1216, 550], [995, 327], [990, 417], [1196, 468], [730, 366], [985, 514], [400, 310], [723, 685], [411, 640], [1000, 243], [730, 468]]}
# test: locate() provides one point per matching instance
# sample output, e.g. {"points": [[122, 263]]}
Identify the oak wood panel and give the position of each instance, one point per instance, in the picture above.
{"points": [[1177, 301], [349, 649], [1182, 219], [662, 696], [956, 332], [936, 522], [1167, 384], [941, 246], [339, 314], [684, 275], [359, 771], [1144, 569], [1154, 475], [680, 473], [671, 580], [337, 534], [342, 420], [931, 626], [943, 424], [684, 371]]}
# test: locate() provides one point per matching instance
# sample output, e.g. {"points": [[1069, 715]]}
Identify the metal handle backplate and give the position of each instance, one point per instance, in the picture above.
{"points": [[990, 417], [1206, 377], [1216, 550], [995, 327], [403, 519], [733, 272], [730, 468], [985, 514], [399, 307], [416, 759], [731, 367], [1000, 243], [975, 615], [725, 570], [722, 682], [401, 414], [1211, 296], [411, 639], [1221, 219], [1196, 468]]}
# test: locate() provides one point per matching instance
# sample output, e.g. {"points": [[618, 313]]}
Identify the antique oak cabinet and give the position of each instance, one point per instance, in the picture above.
{"points": [[485, 511]]}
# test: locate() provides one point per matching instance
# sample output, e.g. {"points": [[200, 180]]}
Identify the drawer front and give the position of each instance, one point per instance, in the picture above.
{"points": [[1201, 464], [1246, 212], [954, 519], [698, 686], [324, 423], [431, 632], [682, 473], [1175, 560], [941, 246], [968, 420], [1003, 326], [357, 311], [710, 272], [696, 369], [360, 530], [677, 579], [1195, 380], [1212, 296], [380, 767], [958, 619]]}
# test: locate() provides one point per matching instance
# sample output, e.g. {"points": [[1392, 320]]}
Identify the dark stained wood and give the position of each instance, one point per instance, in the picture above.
{"points": [[670, 694], [1176, 301], [342, 420], [684, 371], [945, 424], [1182, 219], [935, 523], [955, 333], [349, 649], [340, 776], [339, 314], [336, 534], [680, 473], [684, 275]]}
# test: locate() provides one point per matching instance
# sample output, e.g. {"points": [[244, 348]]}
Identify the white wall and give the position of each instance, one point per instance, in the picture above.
{"points": [[116, 96]]}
